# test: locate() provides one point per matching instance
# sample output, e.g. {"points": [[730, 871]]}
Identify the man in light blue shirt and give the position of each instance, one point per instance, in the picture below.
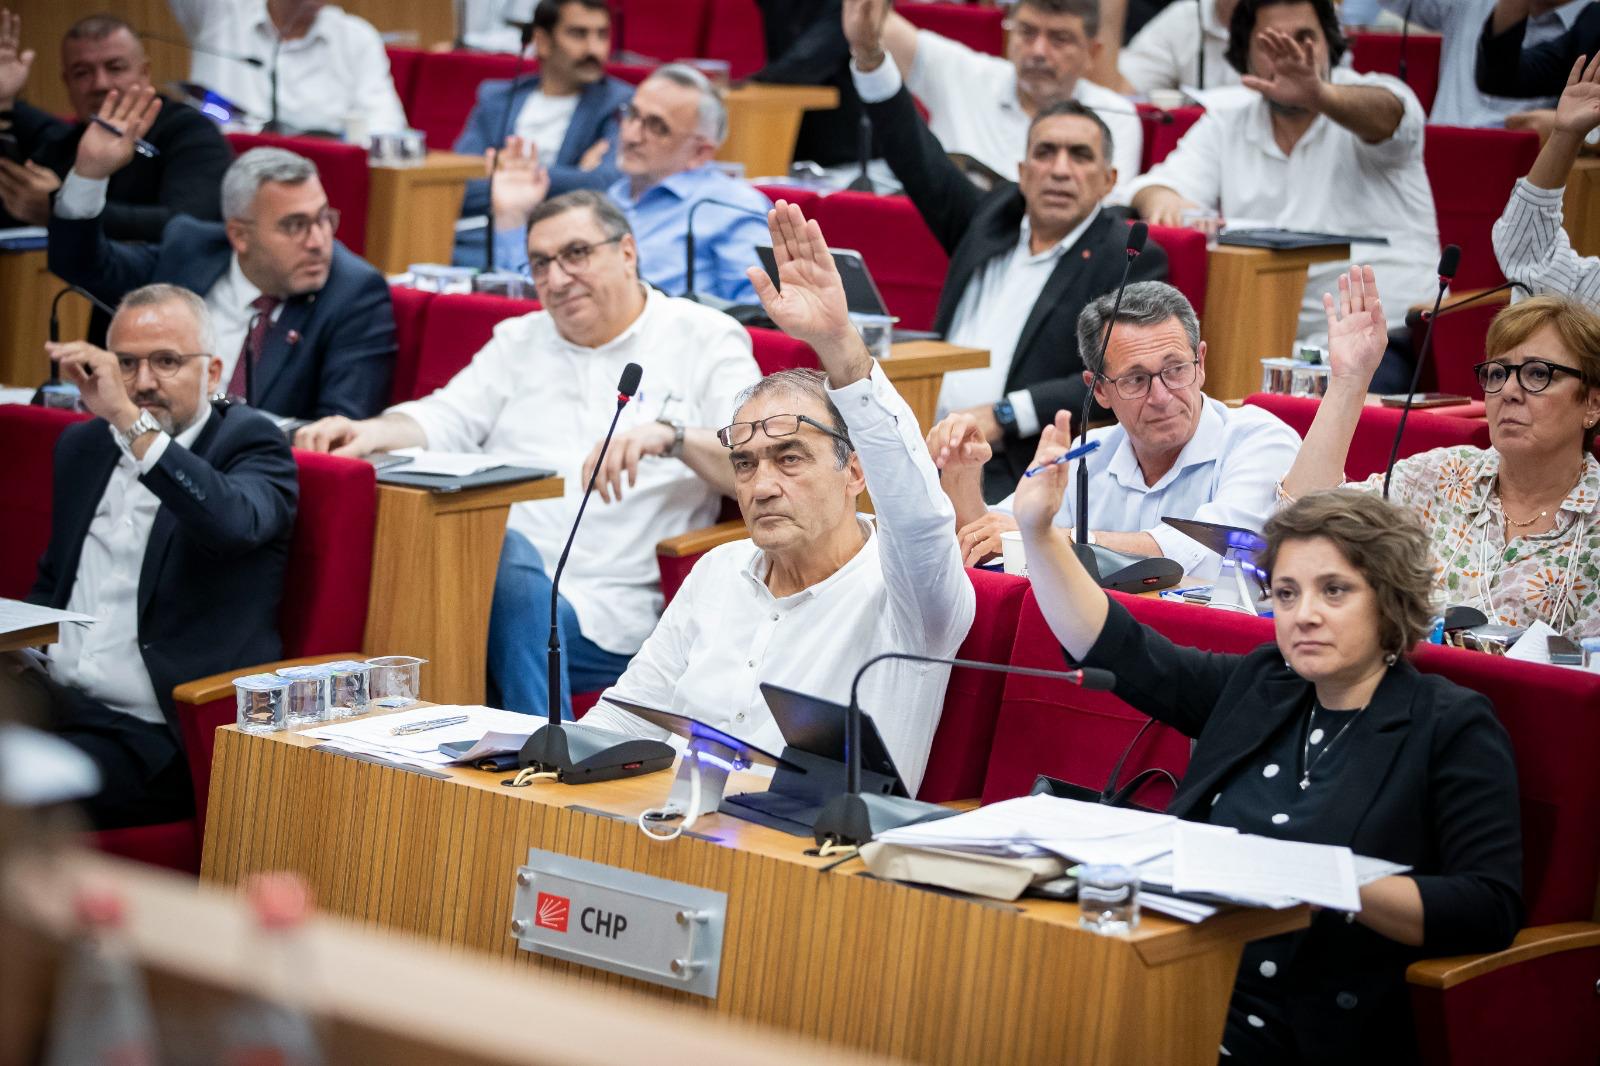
{"points": [[669, 133], [1459, 22], [1174, 451]]}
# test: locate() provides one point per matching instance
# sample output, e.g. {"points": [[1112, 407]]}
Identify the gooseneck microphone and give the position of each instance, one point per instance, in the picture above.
{"points": [[856, 817], [237, 57], [505, 131], [55, 332], [1138, 233], [1449, 263], [688, 239], [862, 182]]}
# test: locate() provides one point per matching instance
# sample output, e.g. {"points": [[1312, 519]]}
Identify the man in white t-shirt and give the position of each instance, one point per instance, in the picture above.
{"points": [[1185, 45], [981, 105]]}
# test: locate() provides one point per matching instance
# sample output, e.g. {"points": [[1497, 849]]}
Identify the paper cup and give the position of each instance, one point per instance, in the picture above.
{"points": [[1013, 558]]}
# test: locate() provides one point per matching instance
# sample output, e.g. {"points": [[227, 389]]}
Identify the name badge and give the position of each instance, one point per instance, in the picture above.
{"points": [[628, 923]]}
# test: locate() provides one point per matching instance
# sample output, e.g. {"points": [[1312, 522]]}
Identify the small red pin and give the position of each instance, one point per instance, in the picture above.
{"points": [[294, 336], [1086, 253]]}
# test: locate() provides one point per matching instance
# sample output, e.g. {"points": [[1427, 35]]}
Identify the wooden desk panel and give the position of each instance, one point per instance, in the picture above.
{"points": [[412, 210], [1252, 311], [836, 955], [26, 289], [1581, 206], [763, 122]]}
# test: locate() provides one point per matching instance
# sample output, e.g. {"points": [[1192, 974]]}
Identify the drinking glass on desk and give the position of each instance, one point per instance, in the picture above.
{"points": [[877, 333], [396, 676], [309, 688], [350, 694], [262, 702], [1109, 896]]}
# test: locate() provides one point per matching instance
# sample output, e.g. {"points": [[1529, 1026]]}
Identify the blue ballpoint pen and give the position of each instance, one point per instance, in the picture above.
{"points": [[140, 145], [1078, 452]]}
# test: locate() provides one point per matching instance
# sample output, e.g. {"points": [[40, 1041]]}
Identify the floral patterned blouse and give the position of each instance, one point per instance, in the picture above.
{"points": [[1554, 576]]}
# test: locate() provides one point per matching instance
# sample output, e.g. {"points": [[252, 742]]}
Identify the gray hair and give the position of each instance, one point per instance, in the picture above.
{"points": [[1144, 303], [255, 168], [151, 295], [712, 116], [612, 221], [805, 383]]}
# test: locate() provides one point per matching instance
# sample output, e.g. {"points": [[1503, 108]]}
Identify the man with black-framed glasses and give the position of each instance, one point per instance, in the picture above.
{"points": [[304, 326], [1174, 452], [171, 524]]}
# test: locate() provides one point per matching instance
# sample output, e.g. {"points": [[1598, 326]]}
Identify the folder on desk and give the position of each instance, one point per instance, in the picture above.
{"points": [[1287, 239], [500, 475]]}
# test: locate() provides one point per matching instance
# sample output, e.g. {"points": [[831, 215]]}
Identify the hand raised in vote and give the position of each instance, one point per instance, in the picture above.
{"points": [[1038, 498], [102, 153], [811, 305], [862, 21], [594, 156], [99, 380], [14, 61], [623, 457], [1358, 334], [1578, 110], [1290, 76], [521, 182]]}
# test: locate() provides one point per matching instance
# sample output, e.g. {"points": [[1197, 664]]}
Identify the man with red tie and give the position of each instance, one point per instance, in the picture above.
{"points": [[304, 327]]}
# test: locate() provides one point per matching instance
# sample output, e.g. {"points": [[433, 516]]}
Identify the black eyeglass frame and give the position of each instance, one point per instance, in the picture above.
{"points": [[1193, 366], [1515, 370], [725, 434]]}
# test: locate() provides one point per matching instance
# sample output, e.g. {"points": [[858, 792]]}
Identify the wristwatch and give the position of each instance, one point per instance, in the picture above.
{"points": [[145, 423], [1006, 415], [676, 451]]}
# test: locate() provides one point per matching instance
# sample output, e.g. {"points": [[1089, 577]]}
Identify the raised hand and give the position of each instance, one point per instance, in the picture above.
{"points": [[810, 305], [1578, 110], [14, 62], [1291, 78], [520, 182], [863, 29], [960, 441], [1358, 334], [1039, 497], [99, 380], [102, 153]]}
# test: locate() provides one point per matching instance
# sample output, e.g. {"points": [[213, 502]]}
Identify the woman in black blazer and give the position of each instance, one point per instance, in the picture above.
{"points": [[1329, 735]]}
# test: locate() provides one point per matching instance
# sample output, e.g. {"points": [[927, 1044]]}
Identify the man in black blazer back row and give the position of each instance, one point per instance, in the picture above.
{"points": [[312, 321], [1025, 257], [170, 525]]}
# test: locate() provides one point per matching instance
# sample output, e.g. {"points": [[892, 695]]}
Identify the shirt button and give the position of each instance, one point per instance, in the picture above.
{"points": [[751, 663], [1346, 1000], [774, 617], [739, 717]]}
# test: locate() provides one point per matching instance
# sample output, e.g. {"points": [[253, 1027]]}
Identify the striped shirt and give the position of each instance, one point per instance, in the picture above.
{"points": [[1532, 247]]}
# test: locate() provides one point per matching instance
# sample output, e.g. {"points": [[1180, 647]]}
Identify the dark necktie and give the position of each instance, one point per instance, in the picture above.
{"points": [[254, 339]]}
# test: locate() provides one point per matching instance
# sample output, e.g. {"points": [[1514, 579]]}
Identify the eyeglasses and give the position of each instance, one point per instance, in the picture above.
{"points": [[1028, 33], [1533, 375], [163, 364], [573, 258], [654, 125], [295, 227], [1175, 377], [773, 426]]}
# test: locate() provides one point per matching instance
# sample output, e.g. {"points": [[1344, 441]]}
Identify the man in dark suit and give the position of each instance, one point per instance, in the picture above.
{"points": [[568, 110], [98, 54], [806, 47], [1025, 257], [171, 526], [304, 328]]}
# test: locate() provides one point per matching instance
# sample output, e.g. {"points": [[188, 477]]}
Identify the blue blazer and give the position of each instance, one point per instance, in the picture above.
{"points": [[213, 570], [330, 352]]}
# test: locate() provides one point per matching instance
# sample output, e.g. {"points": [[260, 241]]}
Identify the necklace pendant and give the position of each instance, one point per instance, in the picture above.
{"points": [[1305, 782]]}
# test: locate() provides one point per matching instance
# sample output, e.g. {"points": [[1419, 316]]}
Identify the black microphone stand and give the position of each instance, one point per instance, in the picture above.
{"points": [[689, 243], [862, 182], [273, 125], [1449, 262]]}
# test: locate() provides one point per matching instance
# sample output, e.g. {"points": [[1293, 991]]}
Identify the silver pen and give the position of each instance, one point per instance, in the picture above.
{"points": [[140, 145], [423, 727]]}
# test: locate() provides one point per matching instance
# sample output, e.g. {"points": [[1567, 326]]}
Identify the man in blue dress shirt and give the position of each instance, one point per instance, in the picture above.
{"points": [[669, 133]]}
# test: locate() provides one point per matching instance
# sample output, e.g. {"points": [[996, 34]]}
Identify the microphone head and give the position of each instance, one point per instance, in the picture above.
{"points": [[1138, 233], [1450, 261], [1097, 680], [630, 380]]}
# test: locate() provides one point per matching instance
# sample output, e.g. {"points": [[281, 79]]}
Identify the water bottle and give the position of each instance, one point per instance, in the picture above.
{"points": [[271, 1027], [102, 1012]]}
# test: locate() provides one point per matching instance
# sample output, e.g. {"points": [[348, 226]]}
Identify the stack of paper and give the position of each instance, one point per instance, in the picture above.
{"points": [[375, 735], [447, 464], [18, 616]]}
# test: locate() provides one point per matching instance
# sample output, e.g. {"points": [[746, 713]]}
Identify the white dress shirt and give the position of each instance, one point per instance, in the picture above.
{"points": [[337, 75], [973, 109], [103, 660], [992, 312], [1228, 473], [1333, 182], [1460, 23], [1165, 53], [905, 590], [1533, 248], [534, 398]]}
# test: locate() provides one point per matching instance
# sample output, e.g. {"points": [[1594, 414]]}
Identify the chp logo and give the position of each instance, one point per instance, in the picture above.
{"points": [[551, 912]]}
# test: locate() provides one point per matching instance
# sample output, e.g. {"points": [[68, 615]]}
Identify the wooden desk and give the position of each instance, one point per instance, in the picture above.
{"points": [[763, 122], [835, 955], [433, 567], [412, 210], [34, 637], [917, 369], [1252, 311], [26, 289], [1580, 207]]}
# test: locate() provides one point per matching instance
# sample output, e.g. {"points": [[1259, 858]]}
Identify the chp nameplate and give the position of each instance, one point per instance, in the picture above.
{"points": [[648, 928]]}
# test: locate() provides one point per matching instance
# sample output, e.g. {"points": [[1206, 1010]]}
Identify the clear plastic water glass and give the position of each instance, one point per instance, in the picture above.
{"points": [[350, 689], [877, 333], [309, 688], [398, 676], [262, 702], [1109, 897], [1277, 375]]}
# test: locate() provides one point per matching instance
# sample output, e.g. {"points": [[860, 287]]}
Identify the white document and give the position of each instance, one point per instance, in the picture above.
{"points": [[1128, 849], [1186, 910], [1028, 822], [375, 733], [1243, 866], [1534, 644], [21, 397], [448, 464], [16, 616]]}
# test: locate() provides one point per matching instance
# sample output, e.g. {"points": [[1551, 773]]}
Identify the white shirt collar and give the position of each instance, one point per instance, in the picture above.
{"points": [[264, 27], [757, 568], [1209, 22], [1025, 237], [1205, 446]]}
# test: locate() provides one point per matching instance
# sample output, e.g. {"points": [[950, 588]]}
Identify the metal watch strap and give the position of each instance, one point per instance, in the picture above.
{"points": [[676, 451], [145, 423]]}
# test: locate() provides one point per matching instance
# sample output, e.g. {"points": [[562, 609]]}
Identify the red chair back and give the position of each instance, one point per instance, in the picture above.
{"points": [[27, 490], [775, 351], [905, 259], [1187, 263], [343, 170], [1379, 53], [403, 63], [1472, 172], [734, 33], [1458, 346], [330, 558], [446, 87], [632, 73], [455, 328], [1162, 136], [979, 28], [961, 744], [665, 29], [410, 314], [1369, 450], [805, 199]]}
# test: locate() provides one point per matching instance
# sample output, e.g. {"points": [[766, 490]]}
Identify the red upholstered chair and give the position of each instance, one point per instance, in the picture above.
{"points": [[1379, 53], [456, 327], [632, 73], [1458, 344], [410, 313], [28, 441], [775, 351], [1369, 450], [976, 27], [1186, 262], [735, 34], [905, 259], [403, 63], [342, 168], [960, 753], [1161, 135], [805, 199], [446, 87], [1472, 172], [665, 29]]}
